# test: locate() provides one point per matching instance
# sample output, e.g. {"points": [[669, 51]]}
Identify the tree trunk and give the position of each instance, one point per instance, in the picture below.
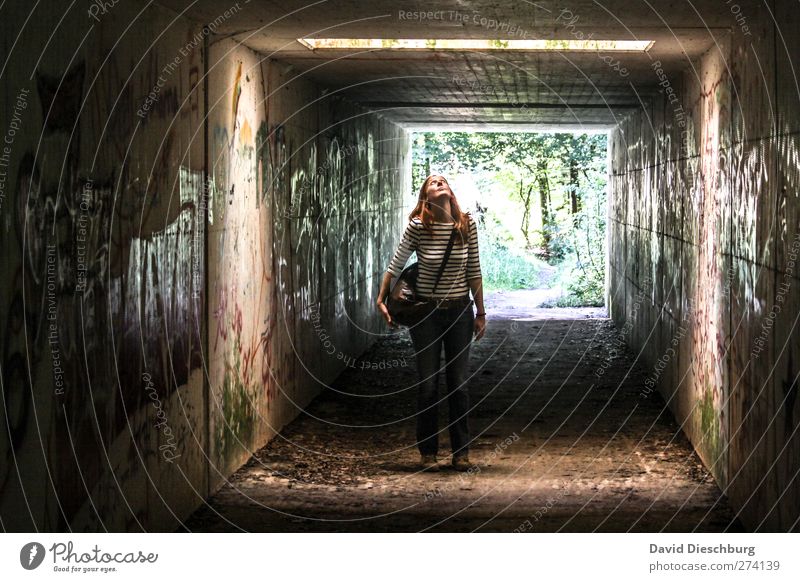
{"points": [[574, 198], [544, 202], [526, 214]]}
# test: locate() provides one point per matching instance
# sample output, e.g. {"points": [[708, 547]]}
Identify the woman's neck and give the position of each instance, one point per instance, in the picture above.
{"points": [[440, 214]]}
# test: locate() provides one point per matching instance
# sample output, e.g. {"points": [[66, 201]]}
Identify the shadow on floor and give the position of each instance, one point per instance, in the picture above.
{"points": [[556, 447]]}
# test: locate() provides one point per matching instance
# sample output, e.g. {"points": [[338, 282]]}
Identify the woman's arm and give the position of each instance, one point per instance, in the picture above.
{"points": [[382, 294], [385, 284], [475, 279], [476, 285], [407, 246]]}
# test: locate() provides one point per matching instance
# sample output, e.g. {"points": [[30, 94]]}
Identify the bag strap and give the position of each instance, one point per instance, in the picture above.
{"points": [[444, 260]]}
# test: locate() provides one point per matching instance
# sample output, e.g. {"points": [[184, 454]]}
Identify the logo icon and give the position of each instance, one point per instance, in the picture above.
{"points": [[31, 555]]}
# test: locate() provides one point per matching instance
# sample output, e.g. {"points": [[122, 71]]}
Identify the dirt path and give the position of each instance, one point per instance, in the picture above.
{"points": [[556, 447]]}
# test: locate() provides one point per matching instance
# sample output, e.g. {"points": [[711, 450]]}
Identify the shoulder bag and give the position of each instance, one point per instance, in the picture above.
{"points": [[403, 304]]}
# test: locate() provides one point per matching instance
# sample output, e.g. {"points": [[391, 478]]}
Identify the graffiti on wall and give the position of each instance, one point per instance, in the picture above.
{"points": [[89, 286], [241, 264]]}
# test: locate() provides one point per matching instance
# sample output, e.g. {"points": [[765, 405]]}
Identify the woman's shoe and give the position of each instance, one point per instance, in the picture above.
{"points": [[462, 463], [428, 463]]}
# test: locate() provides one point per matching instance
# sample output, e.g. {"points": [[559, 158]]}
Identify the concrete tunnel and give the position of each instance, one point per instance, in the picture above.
{"points": [[188, 195]]}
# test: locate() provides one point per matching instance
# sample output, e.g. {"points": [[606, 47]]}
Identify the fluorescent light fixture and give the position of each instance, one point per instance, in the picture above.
{"points": [[467, 44]]}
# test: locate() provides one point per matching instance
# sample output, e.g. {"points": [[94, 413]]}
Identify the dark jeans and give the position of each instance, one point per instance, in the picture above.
{"points": [[451, 327]]}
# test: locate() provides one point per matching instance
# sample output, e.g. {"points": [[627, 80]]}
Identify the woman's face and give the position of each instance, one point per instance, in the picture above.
{"points": [[438, 191]]}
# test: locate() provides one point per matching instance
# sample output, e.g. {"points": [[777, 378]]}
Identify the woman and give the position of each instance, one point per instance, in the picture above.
{"points": [[451, 323]]}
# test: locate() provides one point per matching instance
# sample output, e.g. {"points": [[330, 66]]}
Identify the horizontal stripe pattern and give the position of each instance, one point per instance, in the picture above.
{"points": [[430, 246]]}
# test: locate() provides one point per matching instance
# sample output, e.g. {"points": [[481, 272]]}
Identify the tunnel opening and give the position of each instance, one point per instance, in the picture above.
{"points": [[196, 226], [540, 202]]}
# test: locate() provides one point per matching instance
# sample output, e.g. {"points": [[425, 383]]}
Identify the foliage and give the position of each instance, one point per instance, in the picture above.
{"points": [[545, 201], [503, 266]]}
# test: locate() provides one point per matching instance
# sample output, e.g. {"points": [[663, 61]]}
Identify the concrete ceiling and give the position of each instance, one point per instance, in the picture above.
{"points": [[508, 89]]}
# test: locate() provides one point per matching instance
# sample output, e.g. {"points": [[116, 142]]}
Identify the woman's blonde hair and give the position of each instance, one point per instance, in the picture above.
{"points": [[423, 209]]}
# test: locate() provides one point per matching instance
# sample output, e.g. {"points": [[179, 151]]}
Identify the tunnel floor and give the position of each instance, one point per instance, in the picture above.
{"points": [[555, 447]]}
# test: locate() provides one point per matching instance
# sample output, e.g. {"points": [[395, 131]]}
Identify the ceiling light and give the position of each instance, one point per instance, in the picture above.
{"points": [[467, 44]]}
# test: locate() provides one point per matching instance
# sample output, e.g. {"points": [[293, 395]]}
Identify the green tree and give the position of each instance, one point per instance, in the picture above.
{"points": [[564, 224]]}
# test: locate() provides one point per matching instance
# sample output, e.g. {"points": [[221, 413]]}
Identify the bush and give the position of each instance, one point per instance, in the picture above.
{"points": [[504, 268]]}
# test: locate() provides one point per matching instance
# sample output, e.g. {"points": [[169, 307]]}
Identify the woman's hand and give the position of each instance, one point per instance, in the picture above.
{"points": [[480, 326], [385, 312]]}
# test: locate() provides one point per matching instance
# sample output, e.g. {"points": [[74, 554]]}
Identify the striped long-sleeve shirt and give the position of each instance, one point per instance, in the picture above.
{"points": [[462, 265]]}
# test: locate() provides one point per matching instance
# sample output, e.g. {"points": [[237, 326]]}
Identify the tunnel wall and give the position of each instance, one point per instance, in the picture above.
{"points": [[306, 206], [102, 286], [703, 278], [162, 266]]}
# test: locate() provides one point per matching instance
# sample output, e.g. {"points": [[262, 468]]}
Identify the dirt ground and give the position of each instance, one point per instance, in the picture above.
{"points": [[556, 447]]}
